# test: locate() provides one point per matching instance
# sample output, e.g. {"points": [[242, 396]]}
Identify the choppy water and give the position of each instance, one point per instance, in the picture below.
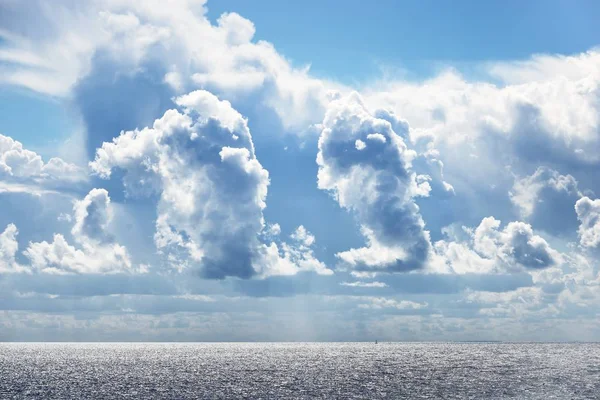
{"points": [[300, 370]]}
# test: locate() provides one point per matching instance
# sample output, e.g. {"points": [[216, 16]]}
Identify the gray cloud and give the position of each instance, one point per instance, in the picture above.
{"points": [[367, 167], [211, 187], [588, 213], [546, 199]]}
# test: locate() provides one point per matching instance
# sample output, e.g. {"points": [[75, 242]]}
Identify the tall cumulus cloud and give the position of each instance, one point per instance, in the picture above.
{"points": [[201, 164], [366, 165]]}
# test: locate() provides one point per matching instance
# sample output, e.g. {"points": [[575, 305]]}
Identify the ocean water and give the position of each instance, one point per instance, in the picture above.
{"points": [[299, 371]]}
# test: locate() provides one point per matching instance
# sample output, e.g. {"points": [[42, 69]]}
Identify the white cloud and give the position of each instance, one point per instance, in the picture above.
{"points": [[19, 165], [459, 258], [97, 254], [588, 213], [359, 144], [363, 274], [492, 250], [92, 216], [272, 230], [581, 284], [535, 134], [376, 183], [518, 303], [485, 134], [8, 251], [59, 257], [134, 35], [291, 258], [378, 303], [212, 190], [515, 245], [545, 67], [364, 284], [455, 111], [303, 236]]}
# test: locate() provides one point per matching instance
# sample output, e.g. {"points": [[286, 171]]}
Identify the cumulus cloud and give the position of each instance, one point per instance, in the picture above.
{"points": [[516, 244], [272, 230], [471, 130], [426, 163], [376, 183], [588, 213], [212, 189], [302, 236], [546, 199], [59, 257], [290, 258], [493, 250], [55, 57], [97, 253], [8, 251], [92, 216], [558, 110], [487, 133], [20, 166]]}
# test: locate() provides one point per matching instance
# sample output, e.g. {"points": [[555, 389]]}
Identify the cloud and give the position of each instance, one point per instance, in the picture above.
{"points": [[579, 284], [515, 244], [376, 183], [57, 58], [8, 251], [486, 134], [303, 237], [211, 187], [59, 257], [517, 303], [19, 167], [491, 250], [364, 284], [413, 162], [557, 108], [426, 163], [92, 216], [272, 230], [292, 258], [378, 303], [547, 67], [546, 199], [588, 213], [97, 254]]}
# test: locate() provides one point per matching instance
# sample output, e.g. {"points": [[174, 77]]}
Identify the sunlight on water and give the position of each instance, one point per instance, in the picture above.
{"points": [[299, 370]]}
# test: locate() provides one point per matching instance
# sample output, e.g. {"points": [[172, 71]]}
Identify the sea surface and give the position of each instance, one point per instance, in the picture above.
{"points": [[299, 371]]}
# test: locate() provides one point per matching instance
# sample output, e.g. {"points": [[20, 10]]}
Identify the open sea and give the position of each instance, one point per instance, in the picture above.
{"points": [[299, 371]]}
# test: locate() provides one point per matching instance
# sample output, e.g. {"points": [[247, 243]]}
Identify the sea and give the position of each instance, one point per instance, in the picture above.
{"points": [[299, 371]]}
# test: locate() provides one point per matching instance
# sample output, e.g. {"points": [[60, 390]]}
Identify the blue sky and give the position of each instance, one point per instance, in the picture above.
{"points": [[353, 41], [238, 170]]}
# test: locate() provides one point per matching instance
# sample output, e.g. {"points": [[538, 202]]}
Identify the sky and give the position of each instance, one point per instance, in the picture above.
{"points": [[299, 171]]}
